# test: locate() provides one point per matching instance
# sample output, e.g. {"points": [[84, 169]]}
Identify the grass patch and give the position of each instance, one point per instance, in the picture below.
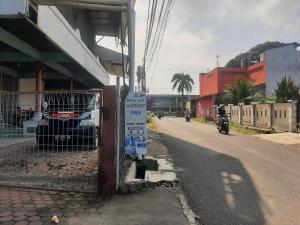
{"points": [[151, 121], [243, 130], [151, 125], [203, 120]]}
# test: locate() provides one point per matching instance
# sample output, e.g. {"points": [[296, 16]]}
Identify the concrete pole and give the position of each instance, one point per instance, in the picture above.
{"points": [[39, 88], [131, 44], [118, 133], [71, 84]]}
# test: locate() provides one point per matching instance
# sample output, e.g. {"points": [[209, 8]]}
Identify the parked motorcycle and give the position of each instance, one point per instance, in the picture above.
{"points": [[223, 125]]}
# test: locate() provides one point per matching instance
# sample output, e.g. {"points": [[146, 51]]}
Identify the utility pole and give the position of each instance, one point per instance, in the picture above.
{"points": [[131, 44], [218, 56]]}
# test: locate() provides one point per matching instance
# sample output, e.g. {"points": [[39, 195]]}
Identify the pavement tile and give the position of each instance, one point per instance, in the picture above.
{"points": [[22, 222], [31, 213], [19, 218], [5, 213], [36, 223], [33, 218], [19, 213], [8, 223], [5, 218]]}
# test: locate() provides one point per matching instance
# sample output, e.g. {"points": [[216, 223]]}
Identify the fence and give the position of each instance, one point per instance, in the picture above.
{"points": [[50, 139], [274, 116]]}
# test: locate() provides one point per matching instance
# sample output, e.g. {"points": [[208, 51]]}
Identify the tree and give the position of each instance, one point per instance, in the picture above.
{"points": [[240, 91], [253, 53], [287, 90], [140, 74], [183, 82]]}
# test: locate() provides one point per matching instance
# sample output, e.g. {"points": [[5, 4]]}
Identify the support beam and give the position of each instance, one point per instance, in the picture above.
{"points": [[84, 5], [27, 49], [101, 2], [8, 71], [45, 56]]}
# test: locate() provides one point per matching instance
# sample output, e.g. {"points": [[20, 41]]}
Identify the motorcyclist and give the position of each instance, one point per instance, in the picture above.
{"points": [[187, 115], [221, 114], [221, 111]]}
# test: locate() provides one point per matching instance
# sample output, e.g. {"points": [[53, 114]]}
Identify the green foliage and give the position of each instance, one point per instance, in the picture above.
{"points": [[150, 117], [268, 99], [287, 90], [253, 53], [243, 130], [240, 91]]}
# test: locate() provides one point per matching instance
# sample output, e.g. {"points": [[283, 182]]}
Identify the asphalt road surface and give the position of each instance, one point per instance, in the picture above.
{"points": [[234, 179]]}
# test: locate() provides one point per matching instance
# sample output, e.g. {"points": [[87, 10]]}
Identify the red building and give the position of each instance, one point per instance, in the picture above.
{"points": [[213, 84]]}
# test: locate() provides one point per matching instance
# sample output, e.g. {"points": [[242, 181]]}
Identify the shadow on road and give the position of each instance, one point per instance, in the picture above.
{"points": [[218, 187]]}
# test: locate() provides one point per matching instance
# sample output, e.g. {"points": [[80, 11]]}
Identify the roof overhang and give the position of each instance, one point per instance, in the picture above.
{"points": [[108, 18], [112, 60], [22, 44]]}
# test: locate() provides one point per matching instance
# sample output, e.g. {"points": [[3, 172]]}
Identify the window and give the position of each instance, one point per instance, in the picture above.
{"points": [[261, 113], [284, 113], [266, 114], [244, 112], [275, 114]]}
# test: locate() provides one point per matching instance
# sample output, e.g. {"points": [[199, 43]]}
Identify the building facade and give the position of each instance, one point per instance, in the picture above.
{"points": [[273, 66]]}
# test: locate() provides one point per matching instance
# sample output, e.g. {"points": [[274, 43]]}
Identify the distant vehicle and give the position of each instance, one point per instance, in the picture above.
{"points": [[223, 121], [188, 117], [159, 116], [78, 127]]}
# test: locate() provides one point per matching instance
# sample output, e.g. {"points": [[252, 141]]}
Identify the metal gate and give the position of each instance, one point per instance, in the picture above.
{"points": [[49, 139]]}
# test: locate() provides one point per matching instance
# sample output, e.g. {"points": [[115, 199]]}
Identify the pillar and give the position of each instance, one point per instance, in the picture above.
{"points": [[241, 113], [271, 114], [253, 113], [107, 156], [39, 86], [230, 112], [292, 115], [71, 84]]}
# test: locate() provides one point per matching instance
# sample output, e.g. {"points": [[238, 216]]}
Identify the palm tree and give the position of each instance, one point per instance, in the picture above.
{"points": [[183, 82], [240, 91]]}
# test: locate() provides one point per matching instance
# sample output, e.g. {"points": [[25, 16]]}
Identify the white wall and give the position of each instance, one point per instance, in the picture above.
{"points": [[27, 100], [280, 62], [57, 28]]}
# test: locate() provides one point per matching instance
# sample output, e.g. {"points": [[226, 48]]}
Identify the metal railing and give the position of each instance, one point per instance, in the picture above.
{"points": [[50, 139]]}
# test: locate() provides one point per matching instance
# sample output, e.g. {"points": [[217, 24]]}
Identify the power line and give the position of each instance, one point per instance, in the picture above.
{"points": [[159, 23]]}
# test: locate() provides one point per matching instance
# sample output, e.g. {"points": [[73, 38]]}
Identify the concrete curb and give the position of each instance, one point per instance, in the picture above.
{"points": [[187, 211]]}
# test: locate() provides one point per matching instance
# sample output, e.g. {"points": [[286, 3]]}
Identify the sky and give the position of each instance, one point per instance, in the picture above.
{"points": [[198, 30]]}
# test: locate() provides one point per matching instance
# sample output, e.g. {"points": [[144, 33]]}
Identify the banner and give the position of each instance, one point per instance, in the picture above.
{"points": [[135, 124]]}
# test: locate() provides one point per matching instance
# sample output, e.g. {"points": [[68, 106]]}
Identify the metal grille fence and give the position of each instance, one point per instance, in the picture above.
{"points": [[50, 139]]}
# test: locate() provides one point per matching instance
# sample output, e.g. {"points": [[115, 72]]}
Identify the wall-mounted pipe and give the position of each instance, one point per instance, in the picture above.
{"points": [[93, 6]]}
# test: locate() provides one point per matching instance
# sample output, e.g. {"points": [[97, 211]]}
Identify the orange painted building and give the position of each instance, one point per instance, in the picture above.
{"points": [[213, 83]]}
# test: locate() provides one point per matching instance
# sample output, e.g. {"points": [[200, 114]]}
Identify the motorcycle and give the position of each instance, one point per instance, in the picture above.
{"points": [[159, 116], [187, 117], [223, 125]]}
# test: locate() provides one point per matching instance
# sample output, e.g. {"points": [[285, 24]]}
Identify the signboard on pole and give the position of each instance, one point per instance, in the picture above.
{"points": [[135, 124]]}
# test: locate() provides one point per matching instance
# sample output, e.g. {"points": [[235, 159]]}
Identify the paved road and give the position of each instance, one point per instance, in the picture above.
{"points": [[235, 179]]}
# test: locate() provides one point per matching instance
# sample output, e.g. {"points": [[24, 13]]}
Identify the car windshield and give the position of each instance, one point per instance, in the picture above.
{"points": [[77, 102]]}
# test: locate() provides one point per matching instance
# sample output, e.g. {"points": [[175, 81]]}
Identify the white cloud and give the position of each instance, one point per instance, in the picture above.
{"points": [[201, 29]]}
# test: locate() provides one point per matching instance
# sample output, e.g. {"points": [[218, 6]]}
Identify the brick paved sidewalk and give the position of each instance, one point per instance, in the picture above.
{"points": [[33, 207]]}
